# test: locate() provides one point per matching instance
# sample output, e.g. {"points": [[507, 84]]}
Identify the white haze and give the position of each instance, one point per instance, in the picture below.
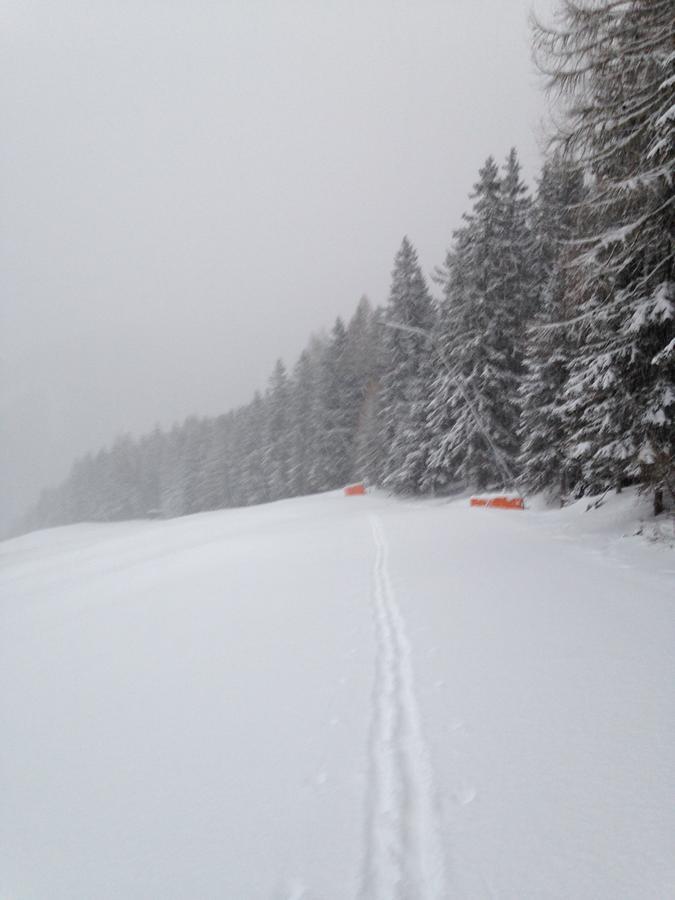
{"points": [[190, 188]]}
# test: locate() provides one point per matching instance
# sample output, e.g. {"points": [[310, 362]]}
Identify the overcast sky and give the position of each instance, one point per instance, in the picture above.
{"points": [[189, 188]]}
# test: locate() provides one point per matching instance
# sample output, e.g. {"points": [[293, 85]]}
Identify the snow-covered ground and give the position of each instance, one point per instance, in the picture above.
{"points": [[339, 698]]}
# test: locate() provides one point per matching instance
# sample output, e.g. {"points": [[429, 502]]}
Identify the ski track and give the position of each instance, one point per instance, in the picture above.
{"points": [[403, 854]]}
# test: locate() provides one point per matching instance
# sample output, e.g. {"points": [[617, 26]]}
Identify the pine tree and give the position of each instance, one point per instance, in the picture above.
{"points": [[405, 383], [360, 371], [277, 448], [172, 467], [473, 411], [124, 489], [195, 448], [150, 455], [516, 256], [612, 65], [331, 464], [441, 410], [238, 449], [304, 420], [217, 463], [543, 459], [253, 483], [369, 442]]}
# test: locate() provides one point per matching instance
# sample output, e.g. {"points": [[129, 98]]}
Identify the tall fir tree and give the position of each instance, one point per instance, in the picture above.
{"points": [[473, 412], [406, 379], [369, 438], [252, 478], [277, 446], [217, 463], [360, 371], [305, 417], [150, 456], [543, 461], [612, 66], [330, 466]]}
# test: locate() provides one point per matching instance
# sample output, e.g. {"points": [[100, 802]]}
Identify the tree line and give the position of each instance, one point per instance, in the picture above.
{"points": [[544, 362]]}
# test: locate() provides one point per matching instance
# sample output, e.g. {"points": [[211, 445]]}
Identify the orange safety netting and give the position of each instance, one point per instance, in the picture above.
{"points": [[353, 490], [499, 502]]}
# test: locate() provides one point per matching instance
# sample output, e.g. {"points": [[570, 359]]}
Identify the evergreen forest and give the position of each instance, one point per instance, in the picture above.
{"points": [[540, 357]]}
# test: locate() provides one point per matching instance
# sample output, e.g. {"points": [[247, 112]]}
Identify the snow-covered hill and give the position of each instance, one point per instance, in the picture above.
{"points": [[339, 698]]}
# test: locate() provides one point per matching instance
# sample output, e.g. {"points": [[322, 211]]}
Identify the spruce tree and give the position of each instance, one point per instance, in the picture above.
{"points": [[253, 483], [369, 438], [172, 474], [217, 463], [123, 500], [360, 370], [304, 420], [473, 411], [407, 375], [150, 455], [612, 66], [543, 461], [330, 466], [277, 447]]}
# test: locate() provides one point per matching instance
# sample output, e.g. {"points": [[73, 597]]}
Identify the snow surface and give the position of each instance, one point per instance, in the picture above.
{"points": [[339, 698]]}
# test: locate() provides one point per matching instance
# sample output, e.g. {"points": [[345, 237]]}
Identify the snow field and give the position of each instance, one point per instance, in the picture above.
{"points": [[338, 698], [404, 854]]}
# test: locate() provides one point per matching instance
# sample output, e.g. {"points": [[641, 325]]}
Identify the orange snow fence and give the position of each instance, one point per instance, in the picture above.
{"points": [[353, 490], [499, 502]]}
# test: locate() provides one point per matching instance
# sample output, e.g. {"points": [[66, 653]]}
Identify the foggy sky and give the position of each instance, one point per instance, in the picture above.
{"points": [[189, 188]]}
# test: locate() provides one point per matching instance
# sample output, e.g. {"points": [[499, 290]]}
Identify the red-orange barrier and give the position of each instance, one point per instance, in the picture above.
{"points": [[499, 502], [352, 490]]}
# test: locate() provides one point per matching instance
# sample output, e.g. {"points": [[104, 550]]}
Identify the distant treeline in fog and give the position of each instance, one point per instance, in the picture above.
{"points": [[547, 358]]}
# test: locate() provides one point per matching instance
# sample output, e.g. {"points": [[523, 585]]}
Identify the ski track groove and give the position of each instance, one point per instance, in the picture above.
{"points": [[403, 849]]}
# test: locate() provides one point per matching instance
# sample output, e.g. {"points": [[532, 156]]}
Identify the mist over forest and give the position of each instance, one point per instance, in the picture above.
{"points": [[191, 190], [543, 351]]}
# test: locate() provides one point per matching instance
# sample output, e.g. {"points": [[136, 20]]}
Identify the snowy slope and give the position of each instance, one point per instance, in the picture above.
{"points": [[338, 698]]}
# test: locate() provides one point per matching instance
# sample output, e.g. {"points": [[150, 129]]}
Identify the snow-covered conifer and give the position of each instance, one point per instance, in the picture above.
{"points": [[277, 446], [543, 460], [252, 482], [612, 65], [330, 466], [406, 379], [473, 411], [304, 419], [368, 450]]}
